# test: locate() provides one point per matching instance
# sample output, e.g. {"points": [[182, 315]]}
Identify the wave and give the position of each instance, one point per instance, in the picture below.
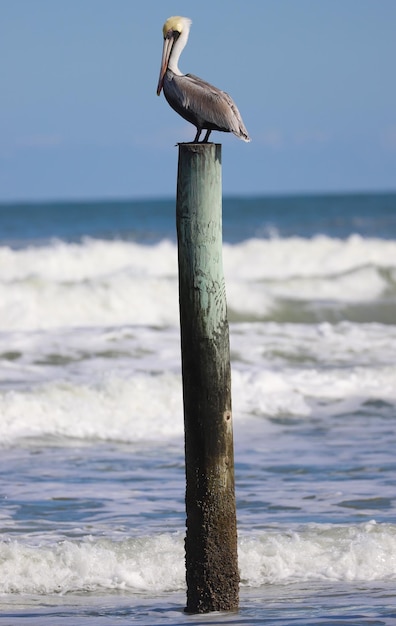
{"points": [[253, 259], [140, 407], [154, 564], [117, 282]]}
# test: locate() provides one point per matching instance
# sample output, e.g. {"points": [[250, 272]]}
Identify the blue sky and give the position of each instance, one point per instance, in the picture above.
{"points": [[314, 81]]}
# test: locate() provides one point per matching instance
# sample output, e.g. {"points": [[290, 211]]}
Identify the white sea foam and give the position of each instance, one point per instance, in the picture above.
{"points": [[116, 282], [344, 553], [144, 564], [306, 392], [145, 407], [305, 345], [141, 408], [259, 259], [92, 258], [124, 383], [37, 303], [154, 564]]}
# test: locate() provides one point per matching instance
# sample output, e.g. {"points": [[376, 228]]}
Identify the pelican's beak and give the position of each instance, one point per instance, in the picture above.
{"points": [[168, 43]]}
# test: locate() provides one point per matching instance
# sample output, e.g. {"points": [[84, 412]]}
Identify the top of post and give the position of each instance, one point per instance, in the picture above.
{"points": [[211, 151], [198, 144]]}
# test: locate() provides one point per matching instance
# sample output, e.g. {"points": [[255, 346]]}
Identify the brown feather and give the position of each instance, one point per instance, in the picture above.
{"points": [[204, 105]]}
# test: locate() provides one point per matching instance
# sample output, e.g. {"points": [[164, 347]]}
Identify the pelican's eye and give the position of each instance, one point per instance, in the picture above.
{"points": [[172, 34]]}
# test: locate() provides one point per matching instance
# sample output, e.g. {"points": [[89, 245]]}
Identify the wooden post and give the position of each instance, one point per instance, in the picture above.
{"points": [[211, 537]]}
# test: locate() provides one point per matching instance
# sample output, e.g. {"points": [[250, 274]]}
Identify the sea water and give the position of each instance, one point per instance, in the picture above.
{"points": [[92, 480]]}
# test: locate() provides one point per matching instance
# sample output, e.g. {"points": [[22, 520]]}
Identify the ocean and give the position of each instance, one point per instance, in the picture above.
{"points": [[91, 425]]}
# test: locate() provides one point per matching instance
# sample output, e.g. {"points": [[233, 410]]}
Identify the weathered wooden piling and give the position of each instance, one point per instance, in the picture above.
{"points": [[211, 536]]}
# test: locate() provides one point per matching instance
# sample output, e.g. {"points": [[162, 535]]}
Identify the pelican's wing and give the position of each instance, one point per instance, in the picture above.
{"points": [[211, 105]]}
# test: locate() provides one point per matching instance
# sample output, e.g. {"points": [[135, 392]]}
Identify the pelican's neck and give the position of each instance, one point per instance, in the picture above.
{"points": [[178, 48]]}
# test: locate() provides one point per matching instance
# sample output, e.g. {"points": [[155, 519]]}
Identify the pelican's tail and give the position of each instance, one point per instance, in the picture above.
{"points": [[243, 134], [238, 127]]}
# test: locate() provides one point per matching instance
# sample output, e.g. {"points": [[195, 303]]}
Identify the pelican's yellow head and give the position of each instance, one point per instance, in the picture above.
{"points": [[176, 23], [175, 31]]}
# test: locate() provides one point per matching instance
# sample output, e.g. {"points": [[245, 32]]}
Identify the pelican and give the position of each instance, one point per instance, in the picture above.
{"points": [[197, 101]]}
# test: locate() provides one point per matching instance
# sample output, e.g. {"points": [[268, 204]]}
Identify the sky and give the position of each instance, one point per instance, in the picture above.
{"points": [[314, 81]]}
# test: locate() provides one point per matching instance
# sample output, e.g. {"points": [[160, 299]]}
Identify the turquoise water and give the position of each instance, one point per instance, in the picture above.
{"points": [[148, 221], [91, 429]]}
